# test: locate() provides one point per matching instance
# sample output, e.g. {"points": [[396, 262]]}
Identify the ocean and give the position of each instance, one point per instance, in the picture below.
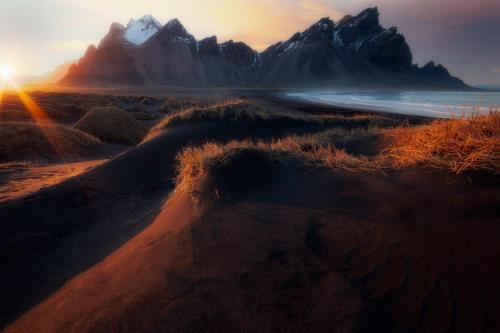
{"points": [[442, 104]]}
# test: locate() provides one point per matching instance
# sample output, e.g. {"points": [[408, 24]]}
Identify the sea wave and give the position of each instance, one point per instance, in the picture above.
{"points": [[441, 104]]}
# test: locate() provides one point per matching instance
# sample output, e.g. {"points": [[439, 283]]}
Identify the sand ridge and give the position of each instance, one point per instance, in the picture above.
{"points": [[298, 254], [117, 248]]}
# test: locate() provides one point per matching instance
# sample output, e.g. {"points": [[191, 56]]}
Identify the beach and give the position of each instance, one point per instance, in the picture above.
{"points": [[255, 243]]}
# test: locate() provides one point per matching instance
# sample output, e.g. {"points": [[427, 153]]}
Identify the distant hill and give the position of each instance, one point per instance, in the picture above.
{"points": [[50, 77], [356, 51], [493, 87]]}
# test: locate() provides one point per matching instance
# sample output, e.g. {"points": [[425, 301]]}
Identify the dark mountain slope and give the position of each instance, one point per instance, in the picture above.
{"points": [[356, 51]]}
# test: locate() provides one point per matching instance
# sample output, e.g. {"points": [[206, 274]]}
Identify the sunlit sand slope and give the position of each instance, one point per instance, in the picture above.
{"points": [[296, 251]]}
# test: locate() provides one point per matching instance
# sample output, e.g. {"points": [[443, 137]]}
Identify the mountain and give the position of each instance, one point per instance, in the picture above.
{"points": [[356, 51], [137, 32], [57, 74], [171, 56], [53, 76]]}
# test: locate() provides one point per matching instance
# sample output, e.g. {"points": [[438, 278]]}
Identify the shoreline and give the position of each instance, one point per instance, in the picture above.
{"points": [[317, 108], [279, 95], [406, 103]]}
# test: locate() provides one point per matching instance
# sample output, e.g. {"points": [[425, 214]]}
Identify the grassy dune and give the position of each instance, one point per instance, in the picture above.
{"points": [[25, 141], [461, 144], [195, 162], [241, 111], [458, 145], [112, 125]]}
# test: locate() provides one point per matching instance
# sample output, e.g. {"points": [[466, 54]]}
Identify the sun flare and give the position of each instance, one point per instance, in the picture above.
{"points": [[6, 73]]}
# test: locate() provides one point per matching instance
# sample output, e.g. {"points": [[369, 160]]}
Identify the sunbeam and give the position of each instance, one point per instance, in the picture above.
{"points": [[40, 118], [34, 109], [4, 80], [2, 87]]}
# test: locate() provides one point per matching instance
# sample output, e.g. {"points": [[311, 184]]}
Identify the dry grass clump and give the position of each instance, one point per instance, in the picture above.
{"points": [[73, 111], [59, 107], [65, 113], [143, 115], [460, 144], [173, 105], [232, 112], [148, 101], [89, 101], [27, 141], [194, 162], [240, 110], [113, 125]]}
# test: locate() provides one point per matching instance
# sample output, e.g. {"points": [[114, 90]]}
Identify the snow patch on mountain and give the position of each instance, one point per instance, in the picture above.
{"points": [[178, 39], [139, 31], [291, 46]]}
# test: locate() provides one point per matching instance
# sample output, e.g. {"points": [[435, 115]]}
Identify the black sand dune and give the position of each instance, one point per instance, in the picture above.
{"points": [[283, 248], [58, 232], [322, 251]]}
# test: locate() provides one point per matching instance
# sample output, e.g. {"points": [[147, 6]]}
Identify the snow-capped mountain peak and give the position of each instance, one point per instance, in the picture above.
{"points": [[139, 31]]}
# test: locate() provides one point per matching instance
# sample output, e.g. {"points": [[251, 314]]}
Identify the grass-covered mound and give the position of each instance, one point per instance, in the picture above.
{"points": [[461, 144], [241, 111], [236, 111], [70, 107], [113, 125], [458, 145], [195, 162], [28, 141], [66, 113], [173, 105]]}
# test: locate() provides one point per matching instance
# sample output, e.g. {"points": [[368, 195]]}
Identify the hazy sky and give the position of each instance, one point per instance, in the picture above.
{"points": [[464, 35]]}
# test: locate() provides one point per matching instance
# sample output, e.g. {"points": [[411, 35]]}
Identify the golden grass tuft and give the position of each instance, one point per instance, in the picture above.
{"points": [[239, 110], [112, 125], [173, 105], [236, 110], [26, 141], [195, 162], [231, 109], [460, 144]]}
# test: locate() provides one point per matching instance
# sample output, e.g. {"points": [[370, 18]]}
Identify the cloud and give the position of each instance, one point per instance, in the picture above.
{"points": [[313, 10]]}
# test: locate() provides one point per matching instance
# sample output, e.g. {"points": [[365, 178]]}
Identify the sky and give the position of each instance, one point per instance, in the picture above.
{"points": [[463, 35]]}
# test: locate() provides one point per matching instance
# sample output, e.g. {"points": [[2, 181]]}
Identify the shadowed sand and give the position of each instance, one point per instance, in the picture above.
{"points": [[59, 231], [265, 247], [326, 251]]}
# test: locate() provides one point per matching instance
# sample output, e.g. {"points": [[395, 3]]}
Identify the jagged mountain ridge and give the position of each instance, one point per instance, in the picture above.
{"points": [[356, 51], [139, 31]]}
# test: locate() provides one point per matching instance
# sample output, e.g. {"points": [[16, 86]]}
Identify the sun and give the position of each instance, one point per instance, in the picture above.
{"points": [[6, 73]]}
